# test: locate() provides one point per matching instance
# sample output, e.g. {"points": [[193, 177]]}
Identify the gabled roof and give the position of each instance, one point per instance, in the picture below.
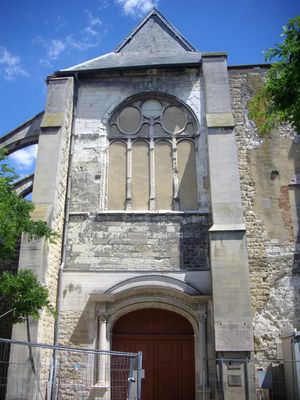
{"points": [[153, 43], [155, 31]]}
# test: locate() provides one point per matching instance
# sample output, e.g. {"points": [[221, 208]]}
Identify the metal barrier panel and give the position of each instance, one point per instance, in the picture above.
{"points": [[31, 371], [39, 371], [232, 379]]}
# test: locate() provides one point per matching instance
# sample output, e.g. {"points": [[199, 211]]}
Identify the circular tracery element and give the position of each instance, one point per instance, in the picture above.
{"points": [[129, 120], [174, 119], [151, 108]]}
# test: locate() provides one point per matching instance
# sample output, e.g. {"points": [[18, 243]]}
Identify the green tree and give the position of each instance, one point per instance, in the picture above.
{"points": [[15, 214], [23, 295], [278, 100]]}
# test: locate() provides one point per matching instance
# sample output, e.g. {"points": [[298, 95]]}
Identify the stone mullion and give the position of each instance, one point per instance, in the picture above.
{"points": [[196, 148], [176, 205], [129, 175], [152, 175]]}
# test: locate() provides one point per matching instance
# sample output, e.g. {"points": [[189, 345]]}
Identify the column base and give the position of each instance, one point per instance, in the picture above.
{"points": [[203, 393]]}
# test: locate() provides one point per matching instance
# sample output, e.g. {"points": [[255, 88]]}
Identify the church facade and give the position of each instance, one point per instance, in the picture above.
{"points": [[178, 224]]}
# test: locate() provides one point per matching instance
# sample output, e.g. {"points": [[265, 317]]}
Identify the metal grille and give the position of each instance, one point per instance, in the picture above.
{"points": [[40, 371]]}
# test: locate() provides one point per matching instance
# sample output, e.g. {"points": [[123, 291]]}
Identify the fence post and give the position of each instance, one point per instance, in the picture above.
{"points": [[54, 376], [222, 378], [246, 378], [203, 380], [139, 375], [131, 379]]}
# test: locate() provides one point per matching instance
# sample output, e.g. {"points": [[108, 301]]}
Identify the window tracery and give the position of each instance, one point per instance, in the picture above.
{"points": [[152, 160]]}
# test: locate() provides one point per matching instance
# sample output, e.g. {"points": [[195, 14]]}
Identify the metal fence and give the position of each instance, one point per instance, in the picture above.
{"points": [[44, 372], [260, 379]]}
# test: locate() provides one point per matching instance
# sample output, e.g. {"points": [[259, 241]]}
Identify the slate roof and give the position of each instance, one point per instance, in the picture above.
{"points": [[153, 43], [131, 60]]}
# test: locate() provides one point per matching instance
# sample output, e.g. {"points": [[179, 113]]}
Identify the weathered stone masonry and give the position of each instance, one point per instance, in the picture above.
{"points": [[267, 165], [137, 242]]}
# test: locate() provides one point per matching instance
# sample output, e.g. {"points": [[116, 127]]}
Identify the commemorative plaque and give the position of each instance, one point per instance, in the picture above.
{"points": [[233, 336]]}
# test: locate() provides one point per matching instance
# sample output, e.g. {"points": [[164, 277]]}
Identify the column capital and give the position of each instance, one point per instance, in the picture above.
{"points": [[103, 315], [201, 313]]}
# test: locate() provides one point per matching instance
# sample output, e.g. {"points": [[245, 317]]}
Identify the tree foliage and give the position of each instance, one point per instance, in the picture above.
{"points": [[23, 295], [15, 214], [278, 100]]}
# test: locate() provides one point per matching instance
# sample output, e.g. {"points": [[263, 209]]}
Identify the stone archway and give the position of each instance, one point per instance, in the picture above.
{"points": [[167, 342]]}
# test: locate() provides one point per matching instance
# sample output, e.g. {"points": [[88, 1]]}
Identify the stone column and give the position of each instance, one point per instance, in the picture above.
{"points": [[202, 348], [104, 359], [229, 260]]}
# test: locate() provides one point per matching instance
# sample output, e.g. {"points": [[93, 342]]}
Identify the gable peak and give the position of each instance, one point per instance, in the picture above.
{"points": [[154, 34]]}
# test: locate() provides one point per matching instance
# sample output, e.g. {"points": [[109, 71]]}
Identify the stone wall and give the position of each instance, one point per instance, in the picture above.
{"points": [[46, 323], [129, 242], [267, 165]]}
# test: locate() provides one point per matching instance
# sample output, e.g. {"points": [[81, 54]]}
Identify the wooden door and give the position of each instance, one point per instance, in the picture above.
{"points": [[167, 342], [165, 369]]}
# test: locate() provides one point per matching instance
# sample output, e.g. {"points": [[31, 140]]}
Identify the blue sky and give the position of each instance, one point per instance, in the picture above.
{"points": [[39, 37]]}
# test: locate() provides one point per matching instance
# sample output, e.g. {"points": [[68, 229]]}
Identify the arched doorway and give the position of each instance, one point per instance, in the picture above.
{"points": [[167, 342]]}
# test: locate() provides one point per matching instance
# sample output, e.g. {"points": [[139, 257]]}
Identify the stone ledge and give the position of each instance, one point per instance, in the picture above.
{"points": [[220, 120], [227, 227], [52, 120]]}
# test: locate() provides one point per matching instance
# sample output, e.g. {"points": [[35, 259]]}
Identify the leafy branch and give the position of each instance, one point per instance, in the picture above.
{"points": [[23, 295], [15, 214], [278, 100]]}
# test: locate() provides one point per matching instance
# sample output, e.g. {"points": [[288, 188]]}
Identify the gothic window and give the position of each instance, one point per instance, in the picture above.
{"points": [[152, 159]]}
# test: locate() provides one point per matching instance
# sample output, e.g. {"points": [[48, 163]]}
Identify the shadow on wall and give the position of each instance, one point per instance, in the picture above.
{"points": [[81, 334]]}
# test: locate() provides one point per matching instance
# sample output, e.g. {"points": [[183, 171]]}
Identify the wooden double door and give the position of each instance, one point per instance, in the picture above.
{"points": [[167, 342]]}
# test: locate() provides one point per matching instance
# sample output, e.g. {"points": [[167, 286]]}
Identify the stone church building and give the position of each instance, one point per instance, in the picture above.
{"points": [[178, 223]]}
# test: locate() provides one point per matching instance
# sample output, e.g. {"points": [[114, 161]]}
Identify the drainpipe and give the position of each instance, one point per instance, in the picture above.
{"points": [[53, 395]]}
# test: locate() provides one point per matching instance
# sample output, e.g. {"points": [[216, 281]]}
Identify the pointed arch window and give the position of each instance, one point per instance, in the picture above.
{"points": [[152, 155]]}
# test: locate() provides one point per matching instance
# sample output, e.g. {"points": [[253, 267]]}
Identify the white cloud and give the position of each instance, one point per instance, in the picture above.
{"points": [[137, 7], [24, 158], [55, 48], [60, 23], [94, 23], [10, 65], [87, 37], [81, 45], [103, 4]]}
